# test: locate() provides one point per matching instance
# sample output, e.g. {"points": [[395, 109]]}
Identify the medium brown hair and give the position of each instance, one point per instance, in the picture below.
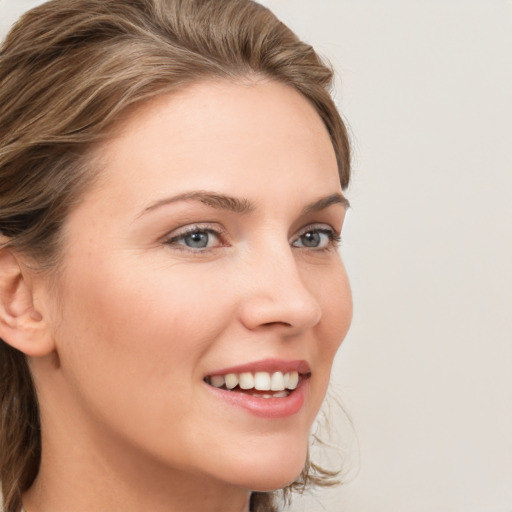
{"points": [[69, 69]]}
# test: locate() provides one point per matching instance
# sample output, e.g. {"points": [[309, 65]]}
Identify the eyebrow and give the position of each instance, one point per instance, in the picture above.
{"points": [[243, 206], [219, 201], [325, 202]]}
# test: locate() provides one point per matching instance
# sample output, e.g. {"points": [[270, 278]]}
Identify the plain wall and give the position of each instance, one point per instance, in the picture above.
{"points": [[425, 372]]}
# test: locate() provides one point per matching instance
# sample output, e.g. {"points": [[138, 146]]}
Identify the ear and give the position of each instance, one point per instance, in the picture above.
{"points": [[22, 324]]}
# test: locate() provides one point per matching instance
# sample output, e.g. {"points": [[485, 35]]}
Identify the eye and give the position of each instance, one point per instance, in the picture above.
{"points": [[317, 238], [196, 238]]}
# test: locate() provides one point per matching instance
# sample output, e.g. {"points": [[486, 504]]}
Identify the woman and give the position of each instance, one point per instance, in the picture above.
{"points": [[171, 292]]}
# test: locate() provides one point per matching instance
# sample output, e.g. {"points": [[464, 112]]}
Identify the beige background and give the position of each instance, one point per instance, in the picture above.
{"points": [[425, 373]]}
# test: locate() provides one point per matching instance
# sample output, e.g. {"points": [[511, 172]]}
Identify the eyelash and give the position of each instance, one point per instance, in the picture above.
{"points": [[191, 230], [334, 238]]}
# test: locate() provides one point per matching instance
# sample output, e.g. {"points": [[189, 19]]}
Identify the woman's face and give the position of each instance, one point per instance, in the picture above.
{"points": [[206, 250]]}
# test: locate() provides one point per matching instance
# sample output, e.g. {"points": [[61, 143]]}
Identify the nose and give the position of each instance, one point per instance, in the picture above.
{"points": [[277, 296]]}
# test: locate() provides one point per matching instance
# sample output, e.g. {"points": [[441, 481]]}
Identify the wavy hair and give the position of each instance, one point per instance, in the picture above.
{"points": [[69, 69]]}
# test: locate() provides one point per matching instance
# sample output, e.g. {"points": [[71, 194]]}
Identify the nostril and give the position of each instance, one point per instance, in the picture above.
{"points": [[274, 324]]}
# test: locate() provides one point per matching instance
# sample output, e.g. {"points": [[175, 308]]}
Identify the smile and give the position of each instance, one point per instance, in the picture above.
{"points": [[269, 388], [280, 384]]}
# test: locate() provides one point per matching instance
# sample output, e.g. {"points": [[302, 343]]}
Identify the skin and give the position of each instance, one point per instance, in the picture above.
{"points": [[137, 318]]}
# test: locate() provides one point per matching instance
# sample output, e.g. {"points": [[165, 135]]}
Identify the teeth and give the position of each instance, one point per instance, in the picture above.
{"points": [[231, 380], [277, 382], [261, 381], [293, 381], [217, 381], [246, 381], [281, 394]]}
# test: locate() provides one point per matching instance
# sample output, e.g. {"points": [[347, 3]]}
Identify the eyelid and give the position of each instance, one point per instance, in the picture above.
{"points": [[174, 236], [330, 231], [317, 227]]}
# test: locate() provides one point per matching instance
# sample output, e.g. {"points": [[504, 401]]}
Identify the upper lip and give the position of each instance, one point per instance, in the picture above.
{"points": [[267, 365]]}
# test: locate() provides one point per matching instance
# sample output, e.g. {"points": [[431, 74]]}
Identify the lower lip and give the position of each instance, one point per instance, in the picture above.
{"points": [[272, 408]]}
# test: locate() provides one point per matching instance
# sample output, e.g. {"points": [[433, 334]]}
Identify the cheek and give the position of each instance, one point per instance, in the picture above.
{"points": [[131, 345], [132, 319], [136, 318], [332, 290]]}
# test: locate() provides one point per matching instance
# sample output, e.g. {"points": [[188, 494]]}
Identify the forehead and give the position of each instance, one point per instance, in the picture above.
{"points": [[219, 133]]}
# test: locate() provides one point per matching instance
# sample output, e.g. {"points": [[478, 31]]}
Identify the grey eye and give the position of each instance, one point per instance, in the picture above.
{"points": [[197, 240], [311, 239], [317, 238]]}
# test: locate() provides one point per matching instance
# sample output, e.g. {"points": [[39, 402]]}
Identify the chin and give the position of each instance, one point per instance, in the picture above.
{"points": [[269, 472], [273, 483]]}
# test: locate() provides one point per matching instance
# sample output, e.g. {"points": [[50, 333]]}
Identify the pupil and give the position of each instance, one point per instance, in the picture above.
{"points": [[311, 239], [197, 240]]}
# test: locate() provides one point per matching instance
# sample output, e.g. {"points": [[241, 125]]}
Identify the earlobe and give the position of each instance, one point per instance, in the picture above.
{"points": [[22, 325]]}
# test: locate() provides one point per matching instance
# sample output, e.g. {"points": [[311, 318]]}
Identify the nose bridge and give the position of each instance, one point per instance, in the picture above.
{"points": [[278, 294]]}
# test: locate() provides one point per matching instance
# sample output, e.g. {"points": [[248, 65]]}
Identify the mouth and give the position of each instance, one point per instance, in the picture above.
{"points": [[260, 384]]}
